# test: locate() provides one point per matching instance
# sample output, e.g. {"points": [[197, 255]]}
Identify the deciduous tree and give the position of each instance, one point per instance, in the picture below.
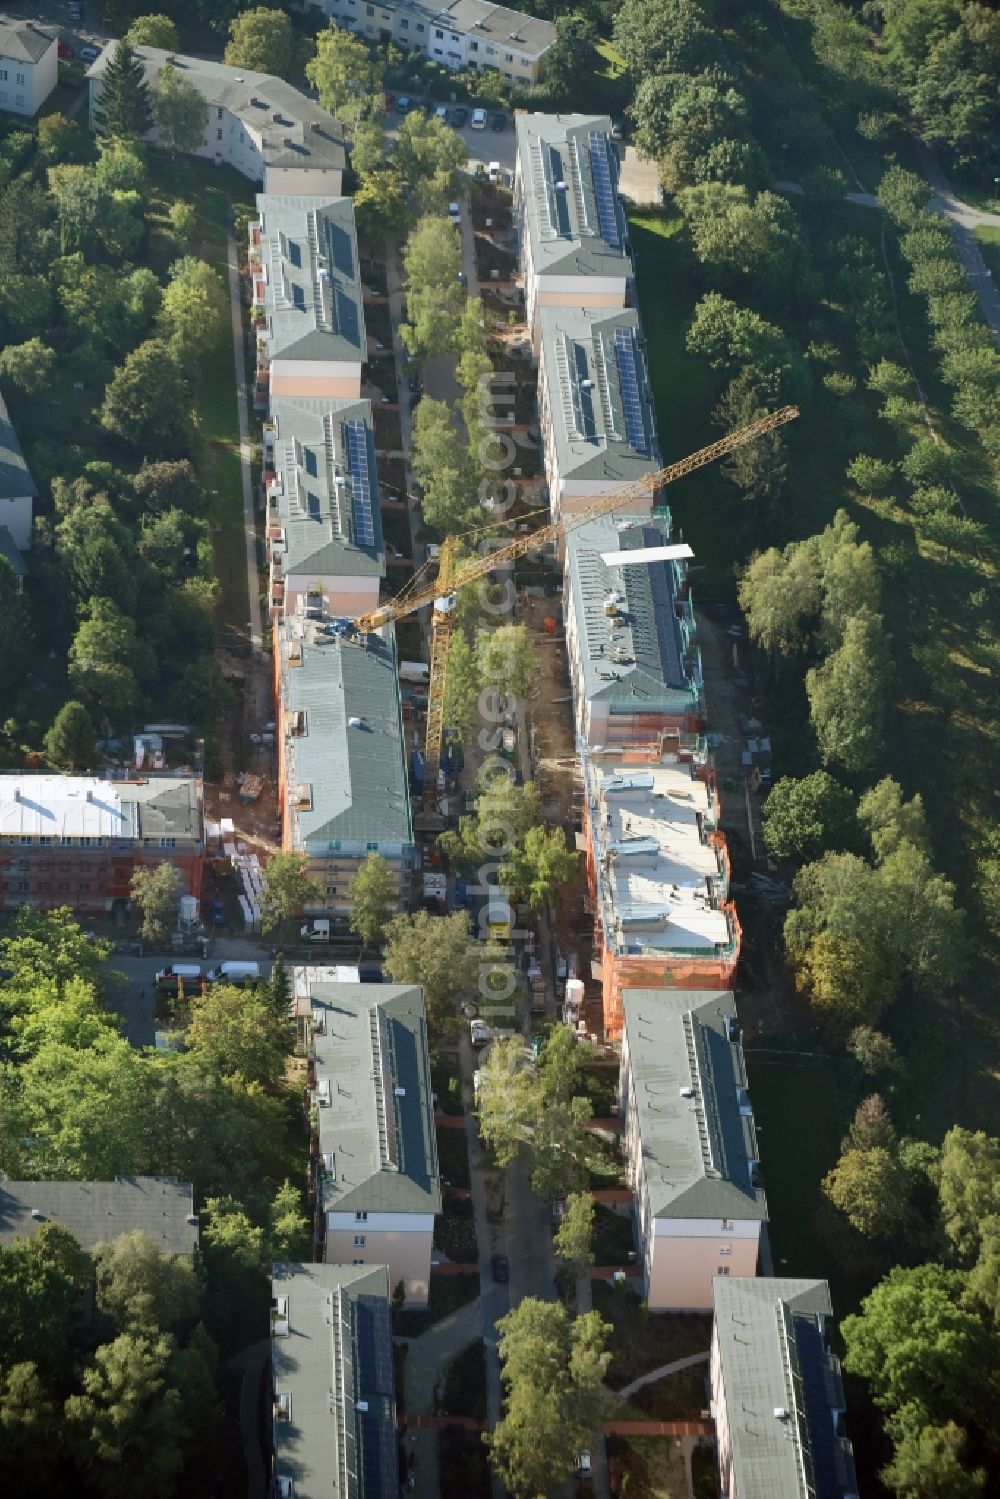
{"points": [[286, 888], [919, 1347], [806, 816], [156, 891], [434, 951], [848, 695], [926, 1464], [124, 1428], [507, 660], [155, 30], [146, 403], [373, 897], [344, 74], [180, 112], [28, 366], [540, 867], [142, 1289], [195, 310], [263, 41], [552, 1370], [573, 1242], [239, 1033]]}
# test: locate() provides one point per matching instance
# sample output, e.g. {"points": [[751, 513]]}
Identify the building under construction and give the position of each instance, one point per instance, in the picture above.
{"points": [[657, 872]]}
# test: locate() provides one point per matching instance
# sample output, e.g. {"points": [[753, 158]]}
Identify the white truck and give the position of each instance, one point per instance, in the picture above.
{"points": [[315, 931]]}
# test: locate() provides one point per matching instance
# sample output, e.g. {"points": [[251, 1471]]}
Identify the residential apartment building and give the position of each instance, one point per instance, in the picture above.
{"points": [[376, 1178], [595, 409], [97, 1212], [29, 64], [342, 775], [324, 529], [573, 240], [260, 125], [631, 640], [461, 34], [307, 285], [334, 1408], [76, 840], [777, 1393], [658, 876], [690, 1144], [18, 490]]}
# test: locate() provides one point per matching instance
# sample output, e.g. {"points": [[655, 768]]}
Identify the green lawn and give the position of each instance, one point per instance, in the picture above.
{"points": [[682, 387], [988, 239], [211, 191]]}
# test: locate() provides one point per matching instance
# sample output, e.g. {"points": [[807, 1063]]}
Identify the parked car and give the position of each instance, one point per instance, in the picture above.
{"points": [[500, 1265], [65, 51], [479, 119], [218, 916], [404, 104], [75, 10], [617, 131], [479, 1032], [441, 113], [459, 117], [455, 212], [583, 1465], [414, 384], [463, 279], [169, 980], [90, 54], [498, 122]]}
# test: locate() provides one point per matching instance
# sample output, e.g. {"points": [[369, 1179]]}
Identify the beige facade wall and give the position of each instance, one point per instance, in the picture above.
{"points": [[348, 596], [720, 1413], [345, 385], [680, 1268], [311, 181], [408, 1256]]}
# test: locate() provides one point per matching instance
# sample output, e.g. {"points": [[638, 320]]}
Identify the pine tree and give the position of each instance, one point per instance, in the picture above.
{"points": [[125, 107]]}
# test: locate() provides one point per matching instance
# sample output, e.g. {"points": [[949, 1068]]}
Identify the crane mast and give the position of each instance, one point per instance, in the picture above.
{"points": [[450, 578]]}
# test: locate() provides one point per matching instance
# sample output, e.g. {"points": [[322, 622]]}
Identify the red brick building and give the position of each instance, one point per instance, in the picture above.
{"points": [[75, 840]]}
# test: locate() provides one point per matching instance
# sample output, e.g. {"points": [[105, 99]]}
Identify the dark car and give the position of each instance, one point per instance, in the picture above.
{"points": [[500, 1265], [498, 123], [459, 117], [414, 384], [218, 913]]}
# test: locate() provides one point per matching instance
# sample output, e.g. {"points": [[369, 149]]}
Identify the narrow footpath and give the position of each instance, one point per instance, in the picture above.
{"points": [[246, 445]]}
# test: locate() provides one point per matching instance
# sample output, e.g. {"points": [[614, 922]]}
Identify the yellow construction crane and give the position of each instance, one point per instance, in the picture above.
{"points": [[451, 577]]}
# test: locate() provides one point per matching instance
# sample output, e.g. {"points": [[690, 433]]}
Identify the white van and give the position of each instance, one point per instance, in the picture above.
{"points": [[478, 121], [234, 973], [169, 980]]}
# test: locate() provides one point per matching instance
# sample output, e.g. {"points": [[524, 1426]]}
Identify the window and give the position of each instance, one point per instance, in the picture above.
{"points": [[218, 135], [218, 113], [19, 78], [370, 10], [438, 52], [439, 35], [19, 99], [404, 25], [725, 1249], [373, 848], [3, 75], [420, 26], [172, 842], [722, 1270], [359, 1241], [361, 1217], [727, 1225], [473, 46], [26, 840], [508, 57], [490, 51], [331, 889]]}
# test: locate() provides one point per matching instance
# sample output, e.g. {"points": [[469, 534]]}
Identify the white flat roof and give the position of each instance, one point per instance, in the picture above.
{"points": [[657, 873], [54, 806]]}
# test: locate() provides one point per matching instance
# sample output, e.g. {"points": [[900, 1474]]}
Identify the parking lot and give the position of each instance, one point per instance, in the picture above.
{"points": [[484, 145]]}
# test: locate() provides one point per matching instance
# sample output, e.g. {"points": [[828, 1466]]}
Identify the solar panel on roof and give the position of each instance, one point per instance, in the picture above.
{"points": [[812, 1360], [628, 379], [360, 467], [604, 188], [375, 1345], [667, 625]]}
